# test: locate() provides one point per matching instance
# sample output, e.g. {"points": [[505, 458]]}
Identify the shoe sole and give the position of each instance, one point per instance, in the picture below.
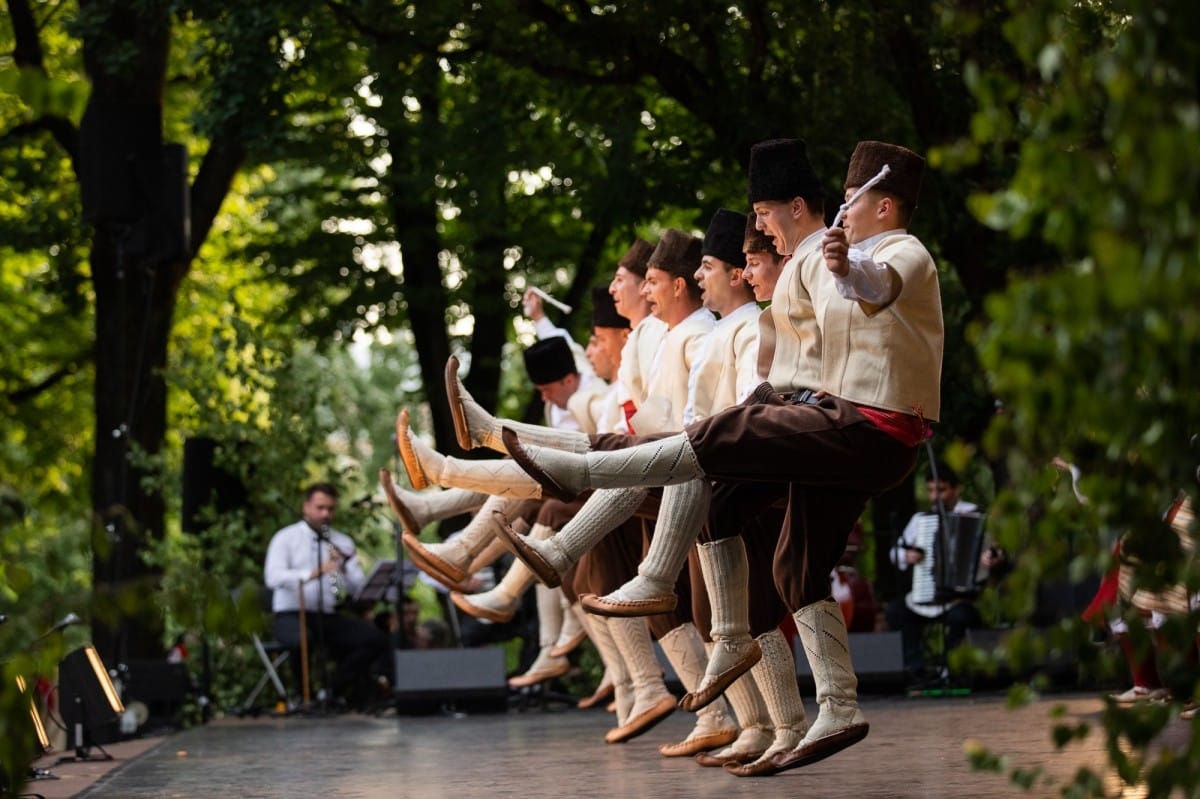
{"points": [[819, 750], [461, 601], [412, 466], [454, 399], [545, 573], [692, 702], [664, 708], [627, 609], [550, 486]]}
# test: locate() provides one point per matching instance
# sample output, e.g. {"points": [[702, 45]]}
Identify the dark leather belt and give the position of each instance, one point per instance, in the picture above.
{"points": [[801, 396]]}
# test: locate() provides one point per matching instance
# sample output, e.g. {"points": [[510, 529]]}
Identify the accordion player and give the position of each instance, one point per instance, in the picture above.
{"points": [[949, 558]]}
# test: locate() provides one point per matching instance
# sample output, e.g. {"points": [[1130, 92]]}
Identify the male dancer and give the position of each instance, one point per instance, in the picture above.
{"points": [[881, 370]]}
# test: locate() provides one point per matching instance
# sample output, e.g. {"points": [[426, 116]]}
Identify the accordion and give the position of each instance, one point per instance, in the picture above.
{"points": [[953, 544]]}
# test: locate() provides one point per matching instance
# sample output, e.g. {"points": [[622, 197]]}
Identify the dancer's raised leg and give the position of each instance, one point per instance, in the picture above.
{"points": [[475, 427], [684, 508]]}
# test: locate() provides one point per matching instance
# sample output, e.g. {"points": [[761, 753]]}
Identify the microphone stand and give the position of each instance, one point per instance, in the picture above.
{"points": [[324, 694], [941, 684]]}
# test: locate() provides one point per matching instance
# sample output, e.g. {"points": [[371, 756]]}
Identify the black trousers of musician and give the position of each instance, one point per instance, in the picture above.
{"points": [[357, 646], [954, 621]]}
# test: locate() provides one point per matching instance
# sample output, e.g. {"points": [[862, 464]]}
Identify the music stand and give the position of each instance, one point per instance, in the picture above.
{"points": [[379, 584]]}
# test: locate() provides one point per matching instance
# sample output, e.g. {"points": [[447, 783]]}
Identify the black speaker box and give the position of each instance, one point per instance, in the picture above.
{"points": [[87, 699], [120, 161], [468, 679], [163, 687], [204, 483]]}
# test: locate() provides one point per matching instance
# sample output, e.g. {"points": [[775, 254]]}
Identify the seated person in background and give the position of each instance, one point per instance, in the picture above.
{"points": [[912, 613], [433, 634], [325, 562]]}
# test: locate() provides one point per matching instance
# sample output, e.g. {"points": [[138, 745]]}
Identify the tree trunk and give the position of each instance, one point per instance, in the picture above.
{"points": [[135, 275]]}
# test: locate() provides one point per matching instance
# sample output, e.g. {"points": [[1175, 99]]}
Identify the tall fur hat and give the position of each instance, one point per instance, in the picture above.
{"points": [[723, 239], [677, 253], [604, 310], [549, 360], [756, 240], [636, 256], [905, 169], [779, 170]]}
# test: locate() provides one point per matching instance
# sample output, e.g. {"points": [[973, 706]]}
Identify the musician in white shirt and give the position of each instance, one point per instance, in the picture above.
{"points": [[910, 614], [325, 562]]}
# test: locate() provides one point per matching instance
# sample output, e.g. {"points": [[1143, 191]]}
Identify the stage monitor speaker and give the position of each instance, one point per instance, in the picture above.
{"points": [[469, 679], [162, 687], [87, 699]]}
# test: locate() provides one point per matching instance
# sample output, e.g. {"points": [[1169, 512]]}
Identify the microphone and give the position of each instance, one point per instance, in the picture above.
{"points": [[65, 622]]}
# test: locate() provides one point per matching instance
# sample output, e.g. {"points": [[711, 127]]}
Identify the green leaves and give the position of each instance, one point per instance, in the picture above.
{"points": [[44, 95]]}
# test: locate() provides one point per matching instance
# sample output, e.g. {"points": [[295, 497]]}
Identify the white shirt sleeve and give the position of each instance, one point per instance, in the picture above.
{"points": [[866, 281], [281, 569], [900, 549]]}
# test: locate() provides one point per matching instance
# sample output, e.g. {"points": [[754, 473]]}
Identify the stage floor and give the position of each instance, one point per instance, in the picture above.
{"points": [[915, 749]]}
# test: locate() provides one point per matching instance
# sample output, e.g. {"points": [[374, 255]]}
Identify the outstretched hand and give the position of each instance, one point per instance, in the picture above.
{"points": [[835, 246], [532, 306]]}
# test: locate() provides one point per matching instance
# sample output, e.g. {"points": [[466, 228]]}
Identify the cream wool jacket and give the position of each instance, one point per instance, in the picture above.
{"points": [[668, 388], [727, 370], [796, 362], [892, 359]]}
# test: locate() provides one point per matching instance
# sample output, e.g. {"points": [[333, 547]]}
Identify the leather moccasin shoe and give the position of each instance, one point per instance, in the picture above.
{"points": [[461, 430], [713, 760], [700, 743], [625, 608], [541, 675], [550, 487], [541, 568], [463, 602], [443, 571], [568, 646], [811, 751], [407, 520], [643, 722], [713, 686], [759, 767]]}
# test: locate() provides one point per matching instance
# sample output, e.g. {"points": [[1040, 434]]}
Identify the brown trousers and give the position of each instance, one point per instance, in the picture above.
{"points": [[755, 512], [833, 460]]}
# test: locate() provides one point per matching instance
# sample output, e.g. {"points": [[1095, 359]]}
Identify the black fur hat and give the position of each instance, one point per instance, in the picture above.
{"points": [[723, 239], [779, 170], [549, 360]]}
